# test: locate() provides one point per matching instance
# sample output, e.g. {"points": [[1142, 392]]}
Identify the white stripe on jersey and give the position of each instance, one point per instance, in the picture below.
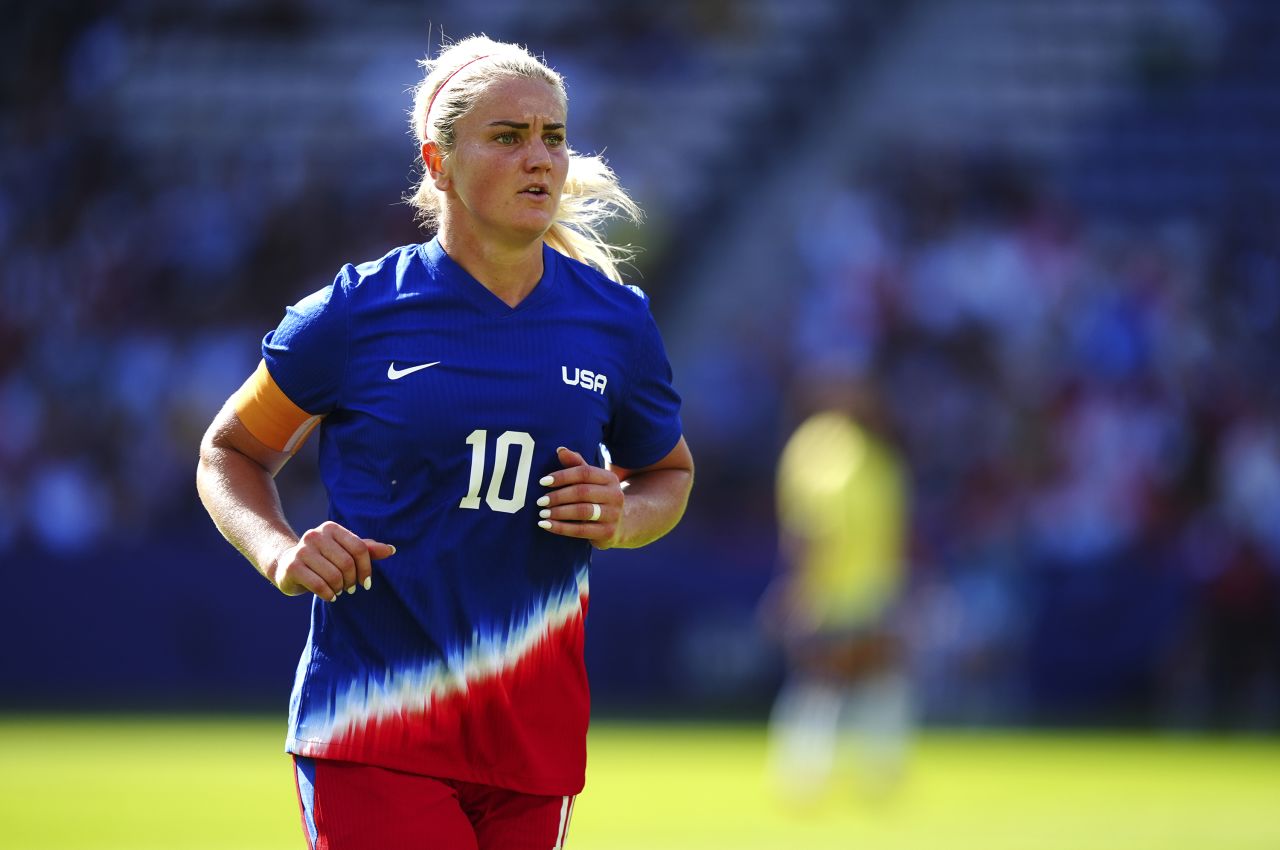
{"points": [[300, 434], [414, 688]]}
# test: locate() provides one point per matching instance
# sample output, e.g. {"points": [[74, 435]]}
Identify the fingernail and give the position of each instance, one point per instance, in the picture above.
{"points": [[351, 590], [542, 523], [333, 598], [561, 449], [544, 501], [393, 551], [368, 582], [545, 513], [546, 481]]}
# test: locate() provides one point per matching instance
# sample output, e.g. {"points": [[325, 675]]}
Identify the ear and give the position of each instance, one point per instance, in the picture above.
{"points": [[433, 158]]}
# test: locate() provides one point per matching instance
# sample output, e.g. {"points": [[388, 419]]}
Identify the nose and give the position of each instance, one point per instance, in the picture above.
{"points": [[538, 157]]}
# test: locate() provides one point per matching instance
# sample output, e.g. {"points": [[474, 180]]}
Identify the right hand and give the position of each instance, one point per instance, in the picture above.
{"points": [[327, 560]]}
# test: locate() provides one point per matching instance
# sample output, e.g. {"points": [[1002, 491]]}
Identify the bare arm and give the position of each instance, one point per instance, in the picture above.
{"points": [[236, 482], [636, 506]]}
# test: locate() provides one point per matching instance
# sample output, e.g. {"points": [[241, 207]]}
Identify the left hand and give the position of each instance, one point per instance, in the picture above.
{"points": [[574, 496]]}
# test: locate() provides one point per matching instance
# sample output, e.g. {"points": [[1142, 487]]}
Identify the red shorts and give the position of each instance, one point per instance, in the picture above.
{"points": [[349, 806]]}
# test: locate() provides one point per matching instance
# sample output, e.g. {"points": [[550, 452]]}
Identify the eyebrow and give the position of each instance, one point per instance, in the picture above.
{"points": [[520, 125]]}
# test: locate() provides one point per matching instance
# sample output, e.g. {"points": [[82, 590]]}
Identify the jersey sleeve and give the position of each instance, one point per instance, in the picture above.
{"points": [[307, 353], [300, 377], [646, 425]]}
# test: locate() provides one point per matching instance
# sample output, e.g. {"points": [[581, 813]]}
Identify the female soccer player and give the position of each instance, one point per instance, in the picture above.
{"points": [[842, 495], [463, 389]]}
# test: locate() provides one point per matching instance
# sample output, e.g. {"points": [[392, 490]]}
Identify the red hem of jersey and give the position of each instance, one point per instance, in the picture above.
{"points": [[555, 786]]}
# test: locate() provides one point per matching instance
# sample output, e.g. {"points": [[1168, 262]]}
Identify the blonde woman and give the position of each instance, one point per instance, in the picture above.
{"points": [[463, 389]]}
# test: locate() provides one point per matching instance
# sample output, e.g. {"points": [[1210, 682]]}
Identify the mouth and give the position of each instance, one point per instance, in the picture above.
{"points": [[536, 190]]}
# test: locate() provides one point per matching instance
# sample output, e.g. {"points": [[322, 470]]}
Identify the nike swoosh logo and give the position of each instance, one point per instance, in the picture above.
{"points": [[396, 374]]}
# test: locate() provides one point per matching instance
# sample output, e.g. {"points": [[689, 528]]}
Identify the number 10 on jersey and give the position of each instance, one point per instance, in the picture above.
{"points": [[478, 440]]}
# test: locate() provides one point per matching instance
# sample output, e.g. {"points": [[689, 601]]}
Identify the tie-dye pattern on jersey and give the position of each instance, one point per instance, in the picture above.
{"points": [[430, 713]]}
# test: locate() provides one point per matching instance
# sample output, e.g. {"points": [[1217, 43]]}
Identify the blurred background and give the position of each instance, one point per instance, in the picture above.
{"points": [[1046, 233]]}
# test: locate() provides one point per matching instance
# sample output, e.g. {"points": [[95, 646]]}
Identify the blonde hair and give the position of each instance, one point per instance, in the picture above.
{"points": [[592, 195]]}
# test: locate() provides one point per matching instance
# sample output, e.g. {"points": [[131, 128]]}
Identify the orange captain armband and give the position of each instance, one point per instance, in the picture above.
{"points": [[270, 415]]}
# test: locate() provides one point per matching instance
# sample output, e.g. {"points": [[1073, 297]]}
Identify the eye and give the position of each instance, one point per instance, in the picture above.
{"points": [[554, 140], [507, 138]]}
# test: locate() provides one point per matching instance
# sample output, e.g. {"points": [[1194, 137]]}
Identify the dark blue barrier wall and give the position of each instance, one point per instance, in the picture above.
{"points": [[185, 622]]}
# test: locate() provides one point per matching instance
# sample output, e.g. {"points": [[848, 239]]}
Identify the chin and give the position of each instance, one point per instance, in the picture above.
{"points": [[533, 228]]}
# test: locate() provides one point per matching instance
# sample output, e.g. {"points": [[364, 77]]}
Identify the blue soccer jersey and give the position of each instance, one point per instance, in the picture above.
{"points": [[440, 408]]}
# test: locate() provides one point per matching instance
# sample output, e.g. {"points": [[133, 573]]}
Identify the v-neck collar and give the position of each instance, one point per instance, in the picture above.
{"points": [[458, 278]]}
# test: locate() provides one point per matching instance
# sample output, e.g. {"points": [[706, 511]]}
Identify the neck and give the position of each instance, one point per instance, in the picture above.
{"points": [[510, 272]]}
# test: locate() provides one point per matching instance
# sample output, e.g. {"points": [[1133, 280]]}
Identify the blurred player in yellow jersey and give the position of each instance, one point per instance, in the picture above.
{"points": [[841, 502]]}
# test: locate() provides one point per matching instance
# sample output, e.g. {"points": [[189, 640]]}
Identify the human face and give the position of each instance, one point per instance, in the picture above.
{"points": [[504, 176]]}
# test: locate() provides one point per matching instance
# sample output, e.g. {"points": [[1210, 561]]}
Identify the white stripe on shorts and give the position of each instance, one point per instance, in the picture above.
{"points": [[566, 806]]}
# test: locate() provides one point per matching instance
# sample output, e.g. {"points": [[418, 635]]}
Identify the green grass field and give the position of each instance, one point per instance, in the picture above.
{"points": [[141, 783]]}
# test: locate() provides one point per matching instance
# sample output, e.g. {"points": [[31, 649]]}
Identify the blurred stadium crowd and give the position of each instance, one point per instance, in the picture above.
{"points": [[1077, 343]]}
